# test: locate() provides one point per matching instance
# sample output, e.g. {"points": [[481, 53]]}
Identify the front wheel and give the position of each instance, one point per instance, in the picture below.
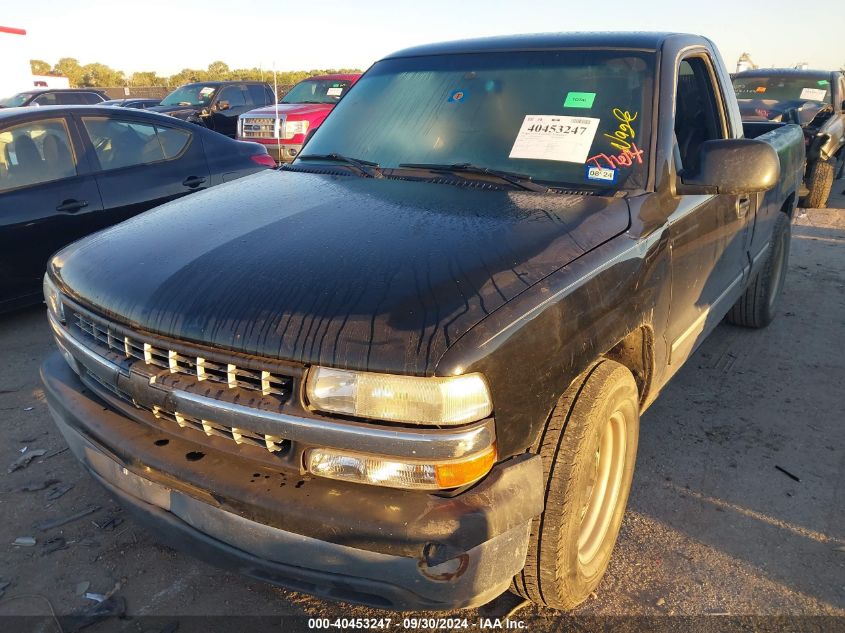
{"points": [[588, 449], [819, 182]]}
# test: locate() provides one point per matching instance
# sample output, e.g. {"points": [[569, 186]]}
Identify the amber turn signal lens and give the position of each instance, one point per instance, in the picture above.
{"points": [[456, 474]]}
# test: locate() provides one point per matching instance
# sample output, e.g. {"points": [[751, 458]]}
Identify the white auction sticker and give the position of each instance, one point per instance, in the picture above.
{"points": [[813, 94], [334, 92], [552, 137]]}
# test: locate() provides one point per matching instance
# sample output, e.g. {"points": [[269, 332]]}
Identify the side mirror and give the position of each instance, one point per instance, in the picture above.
{"points": [[734, 166], [223, 105], [205, 112]]}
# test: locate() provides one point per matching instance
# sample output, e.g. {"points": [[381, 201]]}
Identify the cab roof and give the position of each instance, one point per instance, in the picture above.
{"points": [[786, 72], [645, 41]]}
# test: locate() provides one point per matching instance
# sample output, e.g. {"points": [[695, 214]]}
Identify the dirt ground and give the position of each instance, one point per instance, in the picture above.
{"points": [[713, 526]]}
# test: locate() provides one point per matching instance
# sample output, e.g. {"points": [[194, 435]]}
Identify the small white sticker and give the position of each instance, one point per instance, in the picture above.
{"points": [[813, 94], [604, 174], [206, 91], [334, 92], [551, 137]]}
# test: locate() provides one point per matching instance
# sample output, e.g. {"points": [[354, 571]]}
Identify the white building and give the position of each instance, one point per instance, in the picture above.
{"points": [[16, 73]]}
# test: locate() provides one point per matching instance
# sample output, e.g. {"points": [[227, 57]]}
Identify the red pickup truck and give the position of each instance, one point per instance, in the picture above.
{"points": [[282, 127]]}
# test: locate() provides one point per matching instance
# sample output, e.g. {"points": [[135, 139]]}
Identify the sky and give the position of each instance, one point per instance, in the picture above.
{"points": [[167, 36]]}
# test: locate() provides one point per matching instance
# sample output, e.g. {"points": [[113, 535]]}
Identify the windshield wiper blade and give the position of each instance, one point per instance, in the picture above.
{"points": [[521, 181], [362, 167]]}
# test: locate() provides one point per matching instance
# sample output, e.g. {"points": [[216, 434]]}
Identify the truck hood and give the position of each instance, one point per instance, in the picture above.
{"points": [[291, 110], [357, 273], [177, 111]]}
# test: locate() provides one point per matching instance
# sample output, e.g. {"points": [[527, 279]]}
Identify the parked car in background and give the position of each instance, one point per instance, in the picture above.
{"points": [[66, 172], [282, 128], [216, 104], [814, 99], [139, 104], [53, 97], [408, 368]]}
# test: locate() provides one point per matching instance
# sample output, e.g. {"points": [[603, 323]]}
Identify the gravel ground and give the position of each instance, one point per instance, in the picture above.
{"points": [[713, 527]]}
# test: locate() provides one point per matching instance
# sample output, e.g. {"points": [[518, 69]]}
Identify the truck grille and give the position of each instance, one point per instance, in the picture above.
{"points": [[229, 374], [269, 383], [255, 127]]}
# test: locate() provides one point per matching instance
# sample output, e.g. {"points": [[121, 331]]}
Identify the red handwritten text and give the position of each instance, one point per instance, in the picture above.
{"points": [[625, 158]]}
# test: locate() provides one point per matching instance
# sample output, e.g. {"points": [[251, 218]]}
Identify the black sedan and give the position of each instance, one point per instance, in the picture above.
{"points": [[66, 172]]}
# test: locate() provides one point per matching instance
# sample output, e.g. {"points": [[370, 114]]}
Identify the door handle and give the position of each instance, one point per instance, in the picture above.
{"points": [[743, 205], [71, 206], [193, 181]]}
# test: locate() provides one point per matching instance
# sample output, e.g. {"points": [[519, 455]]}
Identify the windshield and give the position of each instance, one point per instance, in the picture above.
{"points": [[197, 95], [565, 118], [771, 96], [317, 91], [15, 101]]}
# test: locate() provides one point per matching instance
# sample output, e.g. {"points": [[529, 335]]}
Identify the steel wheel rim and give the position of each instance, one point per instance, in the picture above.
{"points": [[604, 487]]}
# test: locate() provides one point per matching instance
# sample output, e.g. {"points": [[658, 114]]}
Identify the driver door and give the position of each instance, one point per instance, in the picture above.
{"points": [[232, 101], [708, 233]]}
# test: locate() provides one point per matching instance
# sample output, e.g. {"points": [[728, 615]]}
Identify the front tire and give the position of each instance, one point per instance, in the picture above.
{"points": [[757, 306], [819, 183], [588, 448]]}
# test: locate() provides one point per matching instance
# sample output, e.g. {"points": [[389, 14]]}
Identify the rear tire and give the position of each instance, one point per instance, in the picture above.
{"points": [[588, 449], [757, 306], [820, 182]]}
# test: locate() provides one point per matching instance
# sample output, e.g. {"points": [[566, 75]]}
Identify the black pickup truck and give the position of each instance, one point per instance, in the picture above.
{"points": [[815, 100], [409, 372]]}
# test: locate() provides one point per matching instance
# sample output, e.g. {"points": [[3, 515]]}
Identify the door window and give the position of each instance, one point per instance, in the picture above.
{"points": [[696, 113], [35, 152], [234, 95], [127, 143]]}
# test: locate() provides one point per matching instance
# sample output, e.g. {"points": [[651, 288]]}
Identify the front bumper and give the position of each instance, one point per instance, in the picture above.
{"points": [[281, 152], [357, 543]]}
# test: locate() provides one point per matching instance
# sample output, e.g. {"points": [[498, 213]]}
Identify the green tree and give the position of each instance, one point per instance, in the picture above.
{"points": [[39, 67], [70, 68], [147, 78], [218, 71], [99, 76]]}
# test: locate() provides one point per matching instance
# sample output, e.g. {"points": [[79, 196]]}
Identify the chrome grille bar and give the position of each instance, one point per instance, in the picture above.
{"points": [[262, 381]]}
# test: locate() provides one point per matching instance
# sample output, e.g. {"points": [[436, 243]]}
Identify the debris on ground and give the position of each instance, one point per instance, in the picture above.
{"points": [[43, 526], [96, 597], [24, 541], [28, 408], [54, 453], [113, 607], [54, 545], [87, 542], [24, 460], [58, 491], [4, 584], [660, 602], [787, 473], [82, 587], [109, 524], [35, 486]]}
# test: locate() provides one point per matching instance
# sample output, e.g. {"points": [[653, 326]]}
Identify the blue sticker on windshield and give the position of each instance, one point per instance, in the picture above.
{"points": [[457, 96], [600, 174]]}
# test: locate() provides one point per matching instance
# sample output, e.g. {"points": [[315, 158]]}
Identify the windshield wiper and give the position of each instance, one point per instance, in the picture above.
{"points": [[362, 167], [517, 180]]}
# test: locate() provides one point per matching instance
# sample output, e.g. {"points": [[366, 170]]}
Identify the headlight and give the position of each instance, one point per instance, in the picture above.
{"points": [[384, 471], [292, 128], [53, 299], [411, 399]]}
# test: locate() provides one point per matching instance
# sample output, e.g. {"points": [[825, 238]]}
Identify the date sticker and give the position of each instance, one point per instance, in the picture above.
{"points": [[457, 96], [601, 174]]}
